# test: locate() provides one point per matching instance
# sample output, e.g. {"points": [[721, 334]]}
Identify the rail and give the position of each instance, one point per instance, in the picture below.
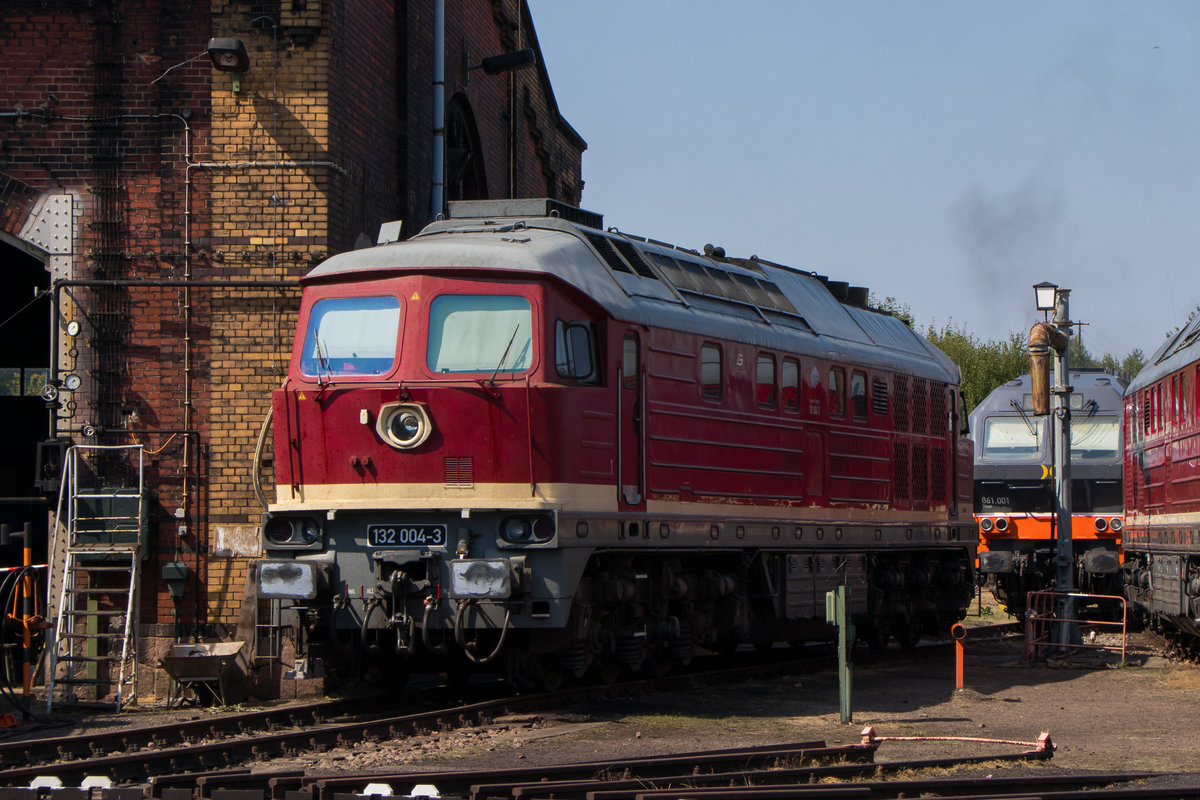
{"points": [[1043, 617]]}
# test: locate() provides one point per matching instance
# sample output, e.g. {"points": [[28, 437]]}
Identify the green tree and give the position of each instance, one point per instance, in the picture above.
{"points": [[984, 365]]}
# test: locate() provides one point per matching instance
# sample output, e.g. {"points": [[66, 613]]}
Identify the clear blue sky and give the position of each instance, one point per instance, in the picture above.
{"points": [[947, 153]]}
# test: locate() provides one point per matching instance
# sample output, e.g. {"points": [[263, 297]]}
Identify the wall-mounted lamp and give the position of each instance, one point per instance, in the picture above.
{"points": [[494, 65], [229, 55]]}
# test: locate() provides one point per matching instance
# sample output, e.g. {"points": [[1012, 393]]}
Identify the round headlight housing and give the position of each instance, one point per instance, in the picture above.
{"points": [[285, 531], [532, 529], [278, 530], [517, 530], [986, 525], [1001, 524], [1101, 524], [1115, 524], [404, 425]]}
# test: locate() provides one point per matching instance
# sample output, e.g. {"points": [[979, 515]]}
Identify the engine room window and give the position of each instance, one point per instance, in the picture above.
{"points": [[480, 333], [573, 350], [351, 336], [858, 395], [1011, 438], [765, 380], [837, 392], [789, 384], [710, 372]]}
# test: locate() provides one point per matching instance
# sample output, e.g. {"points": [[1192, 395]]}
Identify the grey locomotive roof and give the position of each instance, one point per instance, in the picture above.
{"points": [[816, 324], [1106, 388], [1174, 354]]}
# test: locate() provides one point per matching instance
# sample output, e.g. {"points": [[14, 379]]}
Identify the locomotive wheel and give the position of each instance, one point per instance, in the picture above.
{"points": [[658, 665], [552, 675], [607, 670], [876, 635], [908, 635]]}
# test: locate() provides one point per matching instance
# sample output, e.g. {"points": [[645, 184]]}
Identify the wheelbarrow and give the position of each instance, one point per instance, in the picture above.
{"points": [[198, 671]]}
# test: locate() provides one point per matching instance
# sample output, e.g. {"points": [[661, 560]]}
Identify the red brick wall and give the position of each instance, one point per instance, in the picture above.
{"points": [[328, 136]]}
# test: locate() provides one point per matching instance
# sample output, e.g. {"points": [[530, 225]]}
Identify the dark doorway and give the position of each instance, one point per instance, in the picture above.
{"points": [[24, 367]]}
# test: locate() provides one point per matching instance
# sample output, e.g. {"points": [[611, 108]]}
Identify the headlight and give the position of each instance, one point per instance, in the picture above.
{"points": [[1001, 524], [1116, 524], [282, 531], [986, 525], [537, 529], [404, 425], [1101, 524]]}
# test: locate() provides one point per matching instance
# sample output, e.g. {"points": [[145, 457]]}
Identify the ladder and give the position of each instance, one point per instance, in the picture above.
{"points": [[96, 557]]}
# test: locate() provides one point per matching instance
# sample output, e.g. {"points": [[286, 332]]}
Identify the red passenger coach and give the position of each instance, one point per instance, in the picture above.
{"points": [[518, 439], [1162, 487]]}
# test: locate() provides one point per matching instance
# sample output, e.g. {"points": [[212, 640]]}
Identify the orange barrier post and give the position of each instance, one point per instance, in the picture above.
{"points": [[959, 633]]}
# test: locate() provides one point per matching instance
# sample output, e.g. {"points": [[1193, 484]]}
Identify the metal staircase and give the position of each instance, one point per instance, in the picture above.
{"points": [[96, 558]]}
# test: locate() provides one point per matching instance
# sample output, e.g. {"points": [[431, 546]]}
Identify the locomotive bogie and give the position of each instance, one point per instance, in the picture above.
{"points": [[565, 451]]}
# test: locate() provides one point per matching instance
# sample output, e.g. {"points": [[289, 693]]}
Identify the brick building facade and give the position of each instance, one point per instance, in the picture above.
{"points": [[174, 206]]}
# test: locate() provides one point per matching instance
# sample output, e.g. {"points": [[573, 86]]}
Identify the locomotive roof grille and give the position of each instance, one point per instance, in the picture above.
{"points": [[635, 258], [652, 281], [694, 277]]}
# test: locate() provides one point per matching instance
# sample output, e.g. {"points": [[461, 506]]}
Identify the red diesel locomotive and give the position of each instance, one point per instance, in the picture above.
{"points": [[521, 440], [1162, 488]]}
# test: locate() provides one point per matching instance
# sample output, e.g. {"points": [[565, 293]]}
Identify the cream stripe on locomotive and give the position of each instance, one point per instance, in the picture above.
{"points": [[578, 498]]}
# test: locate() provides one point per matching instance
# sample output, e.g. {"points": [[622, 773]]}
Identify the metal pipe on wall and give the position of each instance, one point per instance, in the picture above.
{"points": [[439, 107]]}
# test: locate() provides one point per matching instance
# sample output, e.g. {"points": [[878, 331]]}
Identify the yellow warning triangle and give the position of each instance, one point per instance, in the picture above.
{"points": [[300, 396], [415, 296]]}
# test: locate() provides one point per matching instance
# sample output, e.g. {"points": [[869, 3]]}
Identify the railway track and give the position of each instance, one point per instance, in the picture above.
{"points": [[225, 744]]}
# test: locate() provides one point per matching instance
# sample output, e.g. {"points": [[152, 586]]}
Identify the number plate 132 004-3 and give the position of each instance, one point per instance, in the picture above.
{"points": [[406, 535]]}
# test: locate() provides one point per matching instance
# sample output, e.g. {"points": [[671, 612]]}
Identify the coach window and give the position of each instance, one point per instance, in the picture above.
{"points": [[765, 380], [710, 372], [858, 396], [837, 392], [789, 384], [573, 350], [629, 361]]}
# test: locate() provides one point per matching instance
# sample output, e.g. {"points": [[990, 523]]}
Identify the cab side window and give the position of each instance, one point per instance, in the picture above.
{"points": [[629, 361], [574, 351]]}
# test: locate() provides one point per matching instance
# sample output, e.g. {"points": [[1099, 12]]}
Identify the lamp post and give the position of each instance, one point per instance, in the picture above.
{"points": [[1055, 335]]}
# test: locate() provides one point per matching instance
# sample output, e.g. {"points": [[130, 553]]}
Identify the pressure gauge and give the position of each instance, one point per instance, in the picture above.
{"points": [[73, 328], [71, 382]]}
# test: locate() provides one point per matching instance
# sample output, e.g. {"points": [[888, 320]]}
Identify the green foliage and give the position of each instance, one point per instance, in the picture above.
{"points": [[894, 307], [984, 365]]}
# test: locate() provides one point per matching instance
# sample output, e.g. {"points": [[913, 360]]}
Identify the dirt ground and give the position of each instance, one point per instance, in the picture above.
{"points": [[1142, 716]]}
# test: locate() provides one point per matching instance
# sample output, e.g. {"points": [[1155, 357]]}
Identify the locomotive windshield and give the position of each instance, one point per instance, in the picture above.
{"points": [[351, 336], [1095, 438], [480, 333], [1011, 438], [1015, 439]]}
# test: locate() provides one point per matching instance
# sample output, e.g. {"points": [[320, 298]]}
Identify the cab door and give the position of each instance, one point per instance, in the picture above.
{"points": [[631, 436]]}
